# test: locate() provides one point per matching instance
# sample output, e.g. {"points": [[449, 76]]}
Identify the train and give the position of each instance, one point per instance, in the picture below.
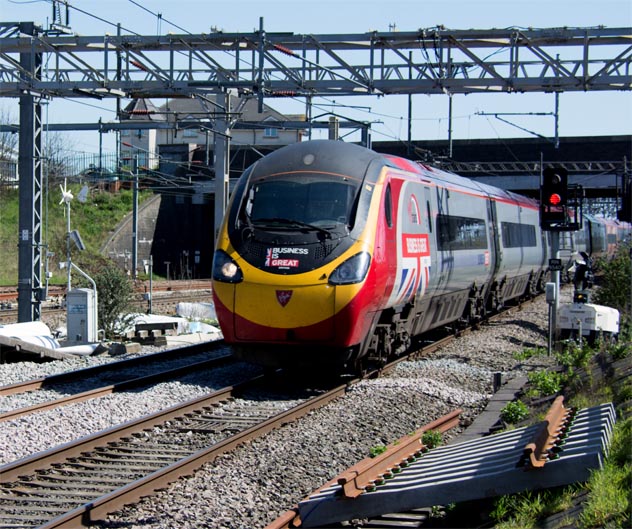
{"points": [[332, 255]]}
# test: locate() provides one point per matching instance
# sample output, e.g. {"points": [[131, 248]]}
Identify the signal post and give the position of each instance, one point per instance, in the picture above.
{"points": [[560, 210]]}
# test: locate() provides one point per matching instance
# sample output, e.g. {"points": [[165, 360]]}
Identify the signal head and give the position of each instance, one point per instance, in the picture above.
{"points": [[554, 199]]}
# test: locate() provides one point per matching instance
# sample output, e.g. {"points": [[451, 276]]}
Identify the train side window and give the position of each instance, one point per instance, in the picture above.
{"points": [[516, 235], [429, 216], [388, 207], [461, 233]]}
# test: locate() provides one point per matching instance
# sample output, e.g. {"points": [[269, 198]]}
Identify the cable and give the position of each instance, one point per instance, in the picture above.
{"points": [[159, 15], [116, 25]]}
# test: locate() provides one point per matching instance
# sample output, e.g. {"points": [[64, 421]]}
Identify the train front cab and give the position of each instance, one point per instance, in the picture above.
{"points": [[307, 285]]}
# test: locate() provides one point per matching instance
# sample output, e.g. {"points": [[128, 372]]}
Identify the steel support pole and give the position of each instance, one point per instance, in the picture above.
{"points": [[555, 278], [30, 292], [221, 141], [135, 220]]}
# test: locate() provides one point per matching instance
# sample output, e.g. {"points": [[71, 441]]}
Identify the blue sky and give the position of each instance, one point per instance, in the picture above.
{"points": [[581, 114]]}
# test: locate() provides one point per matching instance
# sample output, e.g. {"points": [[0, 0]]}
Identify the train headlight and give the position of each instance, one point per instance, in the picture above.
{"points": [[353, 270], [225, 269]]}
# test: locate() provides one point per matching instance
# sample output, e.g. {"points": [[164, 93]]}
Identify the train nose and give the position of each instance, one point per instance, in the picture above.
{"points": [[285, 314]]}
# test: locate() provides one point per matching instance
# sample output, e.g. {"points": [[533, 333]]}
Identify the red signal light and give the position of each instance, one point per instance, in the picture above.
{"points": [[555, 199]]}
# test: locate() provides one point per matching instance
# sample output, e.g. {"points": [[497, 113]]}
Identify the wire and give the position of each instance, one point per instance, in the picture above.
{"points": [[159, 15], [363, 111]]}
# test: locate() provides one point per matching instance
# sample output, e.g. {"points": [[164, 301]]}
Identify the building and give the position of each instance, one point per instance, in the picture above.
{"points": [[185, 130]]}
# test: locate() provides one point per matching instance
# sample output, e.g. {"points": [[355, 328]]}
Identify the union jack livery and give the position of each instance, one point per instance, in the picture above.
{"points": [[331, 254]]}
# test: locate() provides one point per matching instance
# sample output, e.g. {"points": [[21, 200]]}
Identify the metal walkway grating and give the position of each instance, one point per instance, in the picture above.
{"points": [[480, 468]]}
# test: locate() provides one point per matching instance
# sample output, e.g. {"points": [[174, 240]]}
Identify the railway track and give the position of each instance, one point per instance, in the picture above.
{"points": [[120, 465], [121, 376], [79, 483], [166, 295], [110, 371], [164, 305]]}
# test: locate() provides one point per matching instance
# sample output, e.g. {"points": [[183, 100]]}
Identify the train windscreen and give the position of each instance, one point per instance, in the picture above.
{"points": [[321, 202]]}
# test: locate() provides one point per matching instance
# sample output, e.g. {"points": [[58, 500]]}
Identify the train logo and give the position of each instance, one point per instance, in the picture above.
{"points": [[415, 262], [274, 257], [283, 297]]}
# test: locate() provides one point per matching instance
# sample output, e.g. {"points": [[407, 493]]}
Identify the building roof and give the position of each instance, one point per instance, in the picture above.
{"points": [[198, 108], [141, 110]]}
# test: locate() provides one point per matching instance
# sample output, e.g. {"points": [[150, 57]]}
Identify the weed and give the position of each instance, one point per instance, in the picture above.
{"points": [[624, 394], [608, 504], [514, 412], [544, 383], [519, 510], [432, 438], [529, 353], [376, 450]]}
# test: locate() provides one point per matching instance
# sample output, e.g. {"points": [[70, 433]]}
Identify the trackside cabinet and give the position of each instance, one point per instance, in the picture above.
{"points": [[81, 311]]}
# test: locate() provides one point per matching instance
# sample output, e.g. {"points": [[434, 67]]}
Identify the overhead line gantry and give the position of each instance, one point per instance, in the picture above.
{"points": [[261, 64]]}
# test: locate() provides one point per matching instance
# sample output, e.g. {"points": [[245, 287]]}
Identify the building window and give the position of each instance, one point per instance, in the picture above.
{"points": [[270, 132]]}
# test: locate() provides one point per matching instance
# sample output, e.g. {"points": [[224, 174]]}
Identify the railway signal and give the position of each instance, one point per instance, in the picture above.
{"points": [[560, 204], [555, 186]]}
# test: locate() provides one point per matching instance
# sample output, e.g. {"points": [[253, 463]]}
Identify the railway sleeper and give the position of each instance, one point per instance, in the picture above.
{"points": [[102, 482], [49, 507]]}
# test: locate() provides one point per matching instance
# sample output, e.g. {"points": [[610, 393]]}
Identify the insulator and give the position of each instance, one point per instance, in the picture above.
{"points": [[285, 50]]}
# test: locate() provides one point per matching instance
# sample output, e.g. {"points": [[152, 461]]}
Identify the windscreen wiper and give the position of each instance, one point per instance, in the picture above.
{"points": [[288, 223]]}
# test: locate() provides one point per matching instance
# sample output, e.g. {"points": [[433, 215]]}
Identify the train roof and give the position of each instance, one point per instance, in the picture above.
{"points": [[459, 182], [351, 157]]}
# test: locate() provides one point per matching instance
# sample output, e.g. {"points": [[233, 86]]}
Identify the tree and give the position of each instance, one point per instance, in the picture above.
{"points": [[114, 290], [614, 287], [8, 140]]}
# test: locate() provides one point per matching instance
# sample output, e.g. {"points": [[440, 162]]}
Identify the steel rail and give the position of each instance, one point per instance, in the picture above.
{"points": [[290, 518], [11, 315], [97, 508], [357, 478], [538, 451], [117, 387], [73, 376], [14, 470]]}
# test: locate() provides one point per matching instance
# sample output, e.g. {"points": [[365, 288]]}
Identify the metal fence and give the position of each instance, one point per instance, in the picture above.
{"points": [[79, 166]]}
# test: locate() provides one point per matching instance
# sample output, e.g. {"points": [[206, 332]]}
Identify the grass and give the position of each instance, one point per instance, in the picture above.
{"points": [[609, 489], [94, 220]]}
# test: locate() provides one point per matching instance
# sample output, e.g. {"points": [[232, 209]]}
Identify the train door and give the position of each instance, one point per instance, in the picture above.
{"points": [[495, 251], [431, 229], [495, 257], [443, 263]]}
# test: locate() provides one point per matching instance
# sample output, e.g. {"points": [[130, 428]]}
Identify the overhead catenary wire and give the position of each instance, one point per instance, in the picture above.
{"points": [[247, 63], [367, 112]]}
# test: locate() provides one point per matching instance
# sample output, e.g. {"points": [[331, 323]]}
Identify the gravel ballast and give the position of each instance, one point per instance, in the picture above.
{"points": [[254, 484]]}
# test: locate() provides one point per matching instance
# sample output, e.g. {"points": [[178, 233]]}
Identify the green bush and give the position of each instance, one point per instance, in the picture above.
{"points": [[514, 412], [432, 438], [114, 292], [614, 285], [545, 383]]}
